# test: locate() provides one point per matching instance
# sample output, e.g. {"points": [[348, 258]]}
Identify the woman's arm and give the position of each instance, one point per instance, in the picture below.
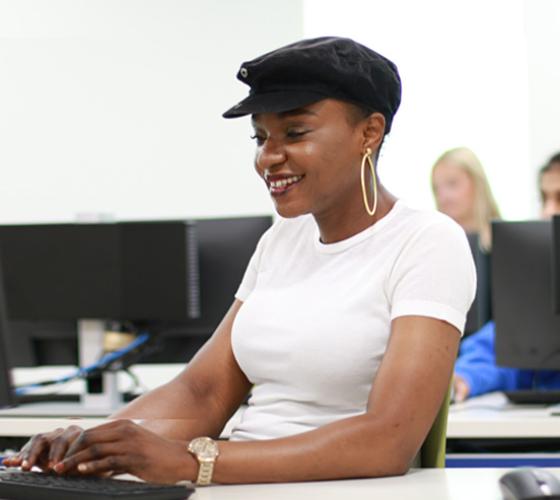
{"points": [[405, 398], [202, 398]]}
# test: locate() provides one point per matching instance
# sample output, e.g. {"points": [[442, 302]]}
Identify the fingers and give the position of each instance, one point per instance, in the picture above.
{"points": [[13, 461], [107, 466], [65, 450], [106, 433], [61, 443], [98, 443], [104, 455], [43, 448], [35, 451], [461, 388]]}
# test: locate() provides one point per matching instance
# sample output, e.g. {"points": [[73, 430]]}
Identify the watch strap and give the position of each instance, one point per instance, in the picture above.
{"points": [[205, 470]]}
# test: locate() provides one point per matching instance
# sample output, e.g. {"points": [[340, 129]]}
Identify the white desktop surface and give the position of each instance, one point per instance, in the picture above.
{"points": [[491, 416], [418, 484]]}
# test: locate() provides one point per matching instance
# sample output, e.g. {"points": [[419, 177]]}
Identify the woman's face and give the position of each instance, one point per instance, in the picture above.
{"points": [[309, 158], [550, 192], [454, 191]]}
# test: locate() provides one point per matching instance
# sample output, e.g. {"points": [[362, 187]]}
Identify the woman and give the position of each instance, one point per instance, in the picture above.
{"points": [[461, 190], [346, 324]]}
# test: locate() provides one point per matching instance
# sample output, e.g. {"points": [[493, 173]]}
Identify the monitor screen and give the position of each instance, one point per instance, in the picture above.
{"points": [[527, 330], [136, 270], [481, 311]]}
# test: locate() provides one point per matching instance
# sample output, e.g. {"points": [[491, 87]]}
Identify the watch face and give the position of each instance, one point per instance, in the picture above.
{"points": [[204, 447]]}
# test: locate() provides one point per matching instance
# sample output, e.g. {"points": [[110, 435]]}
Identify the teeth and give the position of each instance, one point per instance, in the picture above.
{"points": [[285, 182]]}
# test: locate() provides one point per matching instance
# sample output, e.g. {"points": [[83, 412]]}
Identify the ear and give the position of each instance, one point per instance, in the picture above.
{"points": [[373, 131]]}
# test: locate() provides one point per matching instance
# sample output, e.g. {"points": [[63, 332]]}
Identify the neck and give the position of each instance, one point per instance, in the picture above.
{"points": [[340, 225], [468, 224]]}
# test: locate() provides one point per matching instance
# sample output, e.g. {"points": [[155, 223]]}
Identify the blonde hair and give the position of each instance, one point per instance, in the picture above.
{"points": [[485, 206]]}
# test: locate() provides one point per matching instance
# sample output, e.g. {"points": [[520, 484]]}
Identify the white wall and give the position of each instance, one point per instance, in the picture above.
{"points": [[464, 71], [542, 21], [114, 106]]}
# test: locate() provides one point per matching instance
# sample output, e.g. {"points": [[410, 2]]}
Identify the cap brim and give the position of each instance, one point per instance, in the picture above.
{"points": [[273, 102]]}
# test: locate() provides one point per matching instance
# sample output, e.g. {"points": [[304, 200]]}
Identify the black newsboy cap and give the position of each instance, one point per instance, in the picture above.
{"points": [[311, 70]]}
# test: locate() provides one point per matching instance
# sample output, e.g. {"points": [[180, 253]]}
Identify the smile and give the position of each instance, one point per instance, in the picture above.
{"points": [[279, 186]]}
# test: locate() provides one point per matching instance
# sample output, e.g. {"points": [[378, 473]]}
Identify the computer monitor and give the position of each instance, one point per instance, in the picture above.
{"points": [[224, 245], [6, 394], [481, 310], [133, 271], [94, 273], [527, 329]]}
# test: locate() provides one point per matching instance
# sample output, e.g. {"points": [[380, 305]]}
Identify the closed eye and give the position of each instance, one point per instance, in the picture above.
{"points": [[296, 134], [259, 139]]}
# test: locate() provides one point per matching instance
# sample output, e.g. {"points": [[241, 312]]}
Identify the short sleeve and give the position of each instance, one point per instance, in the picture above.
{"points": [[250, 277], [434, 275]]}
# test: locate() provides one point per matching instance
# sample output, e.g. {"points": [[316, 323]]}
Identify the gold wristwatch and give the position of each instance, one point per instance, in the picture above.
{"points": [[205, 451]]}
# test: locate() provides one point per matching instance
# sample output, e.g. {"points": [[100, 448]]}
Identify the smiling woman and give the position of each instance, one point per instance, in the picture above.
{"points": [[303, 156], [346, 324]]}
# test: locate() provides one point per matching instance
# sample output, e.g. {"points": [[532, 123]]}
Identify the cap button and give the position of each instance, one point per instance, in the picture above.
{"points": [[243, 72]]}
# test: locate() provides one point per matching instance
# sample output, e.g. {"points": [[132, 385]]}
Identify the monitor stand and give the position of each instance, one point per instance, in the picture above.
{"points": [[102, 393]]}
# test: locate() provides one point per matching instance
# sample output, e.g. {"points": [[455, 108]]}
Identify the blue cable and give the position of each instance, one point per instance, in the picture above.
{"points": [[107, 359]]}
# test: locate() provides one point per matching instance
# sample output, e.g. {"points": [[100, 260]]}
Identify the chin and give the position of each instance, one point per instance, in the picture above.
{"points": [[288, 212]]}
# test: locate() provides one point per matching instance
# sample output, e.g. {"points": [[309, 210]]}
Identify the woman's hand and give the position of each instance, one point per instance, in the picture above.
{"points": [[461, 389], [44, 450], [117, 447], [125, 447]]}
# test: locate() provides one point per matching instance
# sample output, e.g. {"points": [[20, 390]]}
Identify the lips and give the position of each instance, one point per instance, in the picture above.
{"points": [[279, 184]]}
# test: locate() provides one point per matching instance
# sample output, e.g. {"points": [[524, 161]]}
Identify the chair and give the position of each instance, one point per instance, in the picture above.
{"points": [[432, 453]]}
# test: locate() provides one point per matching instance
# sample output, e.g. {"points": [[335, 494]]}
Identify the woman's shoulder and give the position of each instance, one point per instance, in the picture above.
{"points": [[418, 220]]}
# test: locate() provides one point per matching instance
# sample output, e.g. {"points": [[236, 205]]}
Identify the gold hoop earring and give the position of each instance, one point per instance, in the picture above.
{"points": [[367, 157]]}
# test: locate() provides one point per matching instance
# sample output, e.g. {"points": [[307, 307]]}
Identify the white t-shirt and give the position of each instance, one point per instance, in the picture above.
{"points": [[316, 317]]}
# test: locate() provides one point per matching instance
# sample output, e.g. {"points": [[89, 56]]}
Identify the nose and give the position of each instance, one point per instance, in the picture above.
{"points": [[270, 155]]}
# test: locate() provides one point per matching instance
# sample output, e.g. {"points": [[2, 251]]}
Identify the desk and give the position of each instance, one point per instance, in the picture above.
{"points": [[418, 484], [491, 416], [488, 431]]}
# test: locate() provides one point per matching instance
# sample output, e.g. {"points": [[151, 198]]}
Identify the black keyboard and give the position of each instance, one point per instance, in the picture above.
{"points": [[38, 486], [534, 397]]}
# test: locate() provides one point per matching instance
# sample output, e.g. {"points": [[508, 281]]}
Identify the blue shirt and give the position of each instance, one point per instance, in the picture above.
{"points": [[477, 365]]}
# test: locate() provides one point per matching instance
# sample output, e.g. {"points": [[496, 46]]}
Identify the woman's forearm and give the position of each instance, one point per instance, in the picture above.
{"points": [[355, 447], [176, 412]]}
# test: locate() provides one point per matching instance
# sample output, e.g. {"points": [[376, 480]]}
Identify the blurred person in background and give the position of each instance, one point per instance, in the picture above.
{"points": [[461, 191]]}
